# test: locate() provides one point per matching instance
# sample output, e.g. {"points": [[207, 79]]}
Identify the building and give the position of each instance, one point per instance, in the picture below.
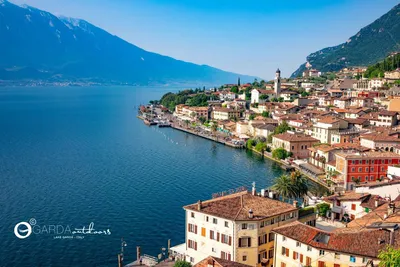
{"points": [[311, 73], [351, 205], [376, 83], [392, 75], [235, 227], [221, 113], [297, 143], [380, 140], [365, 167], [323, 129], [289, 95], [297, 243], [218, 262], [260, 95], [387, 118]]}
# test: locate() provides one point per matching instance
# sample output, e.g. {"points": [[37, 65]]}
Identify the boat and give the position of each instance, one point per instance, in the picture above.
{"points": [[149, 122], [164, 124]]}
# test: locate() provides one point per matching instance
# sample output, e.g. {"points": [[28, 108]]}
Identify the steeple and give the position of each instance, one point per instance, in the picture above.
{"points": [[239, 81], [277, 84]]}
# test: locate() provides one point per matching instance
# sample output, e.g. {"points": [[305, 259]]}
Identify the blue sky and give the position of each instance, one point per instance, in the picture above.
{"points": [[245, 36]]}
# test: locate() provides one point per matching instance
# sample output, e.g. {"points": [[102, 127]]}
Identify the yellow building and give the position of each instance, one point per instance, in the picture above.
{"points": [[236, 227], [297, 244]]}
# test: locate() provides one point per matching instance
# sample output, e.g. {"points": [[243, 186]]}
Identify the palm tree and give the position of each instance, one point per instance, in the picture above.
{"points": [[293, 186], [214, 128]]}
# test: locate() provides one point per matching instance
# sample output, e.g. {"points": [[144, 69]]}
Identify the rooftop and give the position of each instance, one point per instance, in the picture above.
{"points": [[295, 137], [236, 207]]}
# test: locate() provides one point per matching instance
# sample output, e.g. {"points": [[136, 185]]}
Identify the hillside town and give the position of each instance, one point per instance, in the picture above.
{"points": [[339, 130]]}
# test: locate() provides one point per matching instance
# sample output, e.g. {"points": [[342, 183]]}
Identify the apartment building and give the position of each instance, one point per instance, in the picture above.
{"points": [[235, 227], [364, 167], [221, 113], [323, 129], [297, 143], [298, 244]]}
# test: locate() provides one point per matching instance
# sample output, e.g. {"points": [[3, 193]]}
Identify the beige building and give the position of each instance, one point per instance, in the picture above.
{"points": [[296, 143], [324, 128], [235, 227], [221, 113], [393, 75]]}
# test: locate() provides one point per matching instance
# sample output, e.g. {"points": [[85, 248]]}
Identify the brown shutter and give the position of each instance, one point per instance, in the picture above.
{"points": [[287, 252], [188, 227], [230, 241], [259, 240], [229, 256], [195, 245], [301, 258], [249, 243], [217, 236], [211, 234], [222, 254], [294, 255], [195, 229], [240, 242]]}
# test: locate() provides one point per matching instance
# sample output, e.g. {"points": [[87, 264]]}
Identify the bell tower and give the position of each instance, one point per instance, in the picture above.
{"points": [[277, 86]]}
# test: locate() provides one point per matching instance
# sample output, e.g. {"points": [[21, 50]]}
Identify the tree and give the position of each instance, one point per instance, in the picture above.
{"points": [[263, 97], [181, 263], [250, 143], [261, 146], [389, 257], [323, 209], [265, 114], [280, 153], [357, 181], [202, 119], [235, 89], [187, 123], [214, 128], [291, 186], [252, 117]]}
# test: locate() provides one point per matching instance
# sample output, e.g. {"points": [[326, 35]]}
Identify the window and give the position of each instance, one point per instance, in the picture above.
{"points": [[262, 239], [203, 231], [214, 236], [192, 214], [364, 260], [226, 239], [283, 251], [283, 238], [366, 169], [192, 228], [283, 218], [353, 162], [271, 253], [308, 261], [226, 224], [360, 169], [244, 226], [353, 169], [215, 221], [225, 256], [309, 248], [321, 264], [191, 259], [305, 147], [192, 244], [272, 220], [292, 147], [213, 250], [244, 242], [353, 206], [206, 218], [244, 258], [322, 252], [372, 169], [271, 237], [301, 258], [262, 224], [295, 255], [337, 256], [352, 259], [298, 244], [251, 226]]}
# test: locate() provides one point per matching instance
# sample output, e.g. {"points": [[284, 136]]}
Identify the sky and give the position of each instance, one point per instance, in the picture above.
{"points": [[252, 37]]}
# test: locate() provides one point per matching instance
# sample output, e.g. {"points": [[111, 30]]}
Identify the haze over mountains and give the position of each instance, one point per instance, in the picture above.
{"points": [[36, 45]]}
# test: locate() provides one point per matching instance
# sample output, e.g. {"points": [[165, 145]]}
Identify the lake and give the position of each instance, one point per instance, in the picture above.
{"points": [[74, 156]]}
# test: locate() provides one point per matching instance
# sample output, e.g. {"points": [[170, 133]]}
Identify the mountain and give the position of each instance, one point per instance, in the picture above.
{"points": [[370, 45], [37, 45]]}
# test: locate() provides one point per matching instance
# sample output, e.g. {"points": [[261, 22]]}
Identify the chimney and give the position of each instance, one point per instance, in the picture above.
{"points": [[391, 208], [199, 205], [295, 202], [251, 214], [253, 189]]}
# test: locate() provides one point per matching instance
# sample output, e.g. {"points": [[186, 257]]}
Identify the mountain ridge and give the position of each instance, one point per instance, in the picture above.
{"points": [[368, 46], [64, 48]]}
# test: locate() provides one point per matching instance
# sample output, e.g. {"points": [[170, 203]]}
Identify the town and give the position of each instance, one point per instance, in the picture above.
{"points": [[338, 129]]}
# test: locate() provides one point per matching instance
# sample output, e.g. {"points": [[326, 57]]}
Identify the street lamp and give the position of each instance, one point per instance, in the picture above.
{"points": [[123, 244]]}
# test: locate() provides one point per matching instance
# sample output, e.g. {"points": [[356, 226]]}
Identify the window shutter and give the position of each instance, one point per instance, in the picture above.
{"points": [[287, 252], [301, 258], [195, 245], [259, 240], [195, 229], [217, 236], [222, 254], [188, 227], [230, 241], [211, 234], [294, 255], [229, 256], [240, 242], [249, 242]]}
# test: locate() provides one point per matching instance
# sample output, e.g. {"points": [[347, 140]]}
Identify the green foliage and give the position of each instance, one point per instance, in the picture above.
{"points": [[265, 114], [323, 208], [261, 146], [263, 97], [291, 186], [306, 211], [389, 257], [252, 117], [250, 143], [202, 119], [378, 70], [170, 100], [199, 100], [280, 153], [181, 263], [281, 128], [305, 94], [235, 89]]}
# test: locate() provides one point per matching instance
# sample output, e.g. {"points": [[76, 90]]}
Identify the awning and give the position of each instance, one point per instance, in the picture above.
{"points": [[179, 249]]}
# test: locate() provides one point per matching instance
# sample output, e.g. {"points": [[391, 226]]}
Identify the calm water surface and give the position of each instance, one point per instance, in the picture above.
{"points": [[72, 156]]}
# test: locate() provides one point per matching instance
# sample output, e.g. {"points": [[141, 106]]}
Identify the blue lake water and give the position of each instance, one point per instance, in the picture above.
{"points": [[72, 156]]}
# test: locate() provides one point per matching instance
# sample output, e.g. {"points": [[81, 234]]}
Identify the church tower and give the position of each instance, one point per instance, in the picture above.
{"points": [[277, 86]]}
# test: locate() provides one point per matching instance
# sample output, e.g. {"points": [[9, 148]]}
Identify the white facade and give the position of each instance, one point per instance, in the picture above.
{"points": [[205, 244]]}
